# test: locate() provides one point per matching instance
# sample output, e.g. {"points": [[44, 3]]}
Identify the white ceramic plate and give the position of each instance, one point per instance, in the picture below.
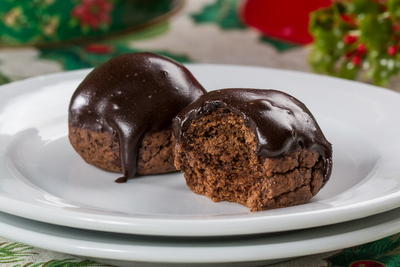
{"points": [[42, 178], [201, 250]]}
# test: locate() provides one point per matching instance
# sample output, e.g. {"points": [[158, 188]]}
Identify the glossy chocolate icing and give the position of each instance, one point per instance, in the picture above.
{"points": [[281, 123], [131, 95]]}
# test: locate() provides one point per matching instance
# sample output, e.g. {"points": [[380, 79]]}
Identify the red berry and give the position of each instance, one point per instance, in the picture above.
{"points": [[396, 27], [350, 54], [357, 60], [349, 19], [392, 50], [350, 39], [361, 49]]}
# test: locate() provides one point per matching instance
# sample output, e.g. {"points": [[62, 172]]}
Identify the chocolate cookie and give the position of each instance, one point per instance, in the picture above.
{"points": [[120, 115], [260, 148]]}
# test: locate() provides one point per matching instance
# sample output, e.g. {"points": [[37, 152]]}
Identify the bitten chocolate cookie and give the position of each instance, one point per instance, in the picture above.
{"points": [[120, 115], [260, 148]]}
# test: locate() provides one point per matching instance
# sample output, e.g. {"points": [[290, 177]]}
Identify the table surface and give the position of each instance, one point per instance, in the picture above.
{"points": [[202, 32]]}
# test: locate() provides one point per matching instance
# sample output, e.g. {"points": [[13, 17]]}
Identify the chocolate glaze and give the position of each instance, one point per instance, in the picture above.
{"points": [[131, 95], [281, 123]]}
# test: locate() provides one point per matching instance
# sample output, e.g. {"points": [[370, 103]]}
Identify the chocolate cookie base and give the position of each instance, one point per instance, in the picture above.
{"points": [[101, 149], [218, 156]]}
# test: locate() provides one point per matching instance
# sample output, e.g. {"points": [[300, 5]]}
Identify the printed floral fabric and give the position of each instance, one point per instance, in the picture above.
{"points": [[186, 38]]}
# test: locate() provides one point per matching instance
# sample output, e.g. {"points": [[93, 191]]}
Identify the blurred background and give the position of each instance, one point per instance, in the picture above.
{"points": [[354, 39]]}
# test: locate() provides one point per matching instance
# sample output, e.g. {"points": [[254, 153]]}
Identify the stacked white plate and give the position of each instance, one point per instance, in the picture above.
{"points": [[50, 198]]}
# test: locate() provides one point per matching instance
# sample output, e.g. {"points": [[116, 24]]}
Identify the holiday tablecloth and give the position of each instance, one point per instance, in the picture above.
{"points": [[204, 31]]}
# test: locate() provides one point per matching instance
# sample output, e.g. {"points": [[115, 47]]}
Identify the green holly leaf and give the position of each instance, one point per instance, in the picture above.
{"points": [[85, 28], [325, 29], [348, 70], [321, 62], [73, 22], [376, 31], [224, 13], [363, 6], [382, 68], [394, 9], [370, 25]]}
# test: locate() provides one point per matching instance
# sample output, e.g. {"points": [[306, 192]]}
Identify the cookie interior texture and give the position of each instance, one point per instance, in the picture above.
{"points": [[219, 159]]}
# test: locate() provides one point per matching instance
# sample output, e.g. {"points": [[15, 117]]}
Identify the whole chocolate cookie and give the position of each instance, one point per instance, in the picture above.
{"points": [[260, 148], [120, 115]]}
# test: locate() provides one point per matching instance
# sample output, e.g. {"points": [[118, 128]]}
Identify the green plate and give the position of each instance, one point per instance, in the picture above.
{"points": [[44, 22]]}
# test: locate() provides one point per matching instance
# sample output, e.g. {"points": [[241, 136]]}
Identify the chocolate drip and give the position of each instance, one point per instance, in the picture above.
{"points": [[281, 123], [131, 95]]}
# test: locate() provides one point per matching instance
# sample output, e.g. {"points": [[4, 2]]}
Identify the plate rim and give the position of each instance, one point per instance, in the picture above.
{"points": [[294, 243], [189, 226]]}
